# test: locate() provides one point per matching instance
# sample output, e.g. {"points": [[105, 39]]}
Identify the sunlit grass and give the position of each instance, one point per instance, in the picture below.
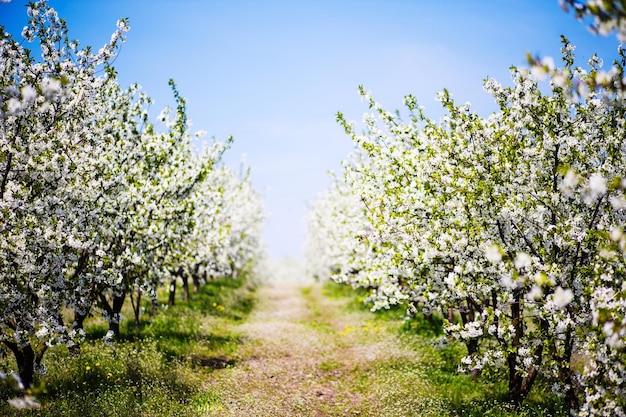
{"points": [[156, 369], [336, 359], [431, 385]]}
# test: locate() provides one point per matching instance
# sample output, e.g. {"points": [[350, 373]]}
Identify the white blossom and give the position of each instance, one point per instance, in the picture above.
{"points": [[569, 182], [493, 254], [50, 88], [596, 188], [522, 260], [535, 293], [562, 297]]}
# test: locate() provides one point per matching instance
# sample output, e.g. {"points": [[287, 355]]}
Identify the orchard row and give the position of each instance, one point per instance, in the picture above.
{"points": [[98, 204], [510, 227]]}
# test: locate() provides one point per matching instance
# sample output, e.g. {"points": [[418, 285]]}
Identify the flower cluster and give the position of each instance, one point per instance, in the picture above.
{"points": [[608, 15]]}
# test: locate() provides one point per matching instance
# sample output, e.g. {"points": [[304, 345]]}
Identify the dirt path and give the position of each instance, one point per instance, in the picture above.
{"points": [[307, 354]]}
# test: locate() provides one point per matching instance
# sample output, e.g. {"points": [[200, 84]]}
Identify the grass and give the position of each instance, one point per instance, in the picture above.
{"points": [[433, 381], [311, 350], [156, 369]]}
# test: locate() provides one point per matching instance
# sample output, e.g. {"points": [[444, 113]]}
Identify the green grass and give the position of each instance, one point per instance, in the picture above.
{"points": [[156, 369], [161, 367], [434, 381]]}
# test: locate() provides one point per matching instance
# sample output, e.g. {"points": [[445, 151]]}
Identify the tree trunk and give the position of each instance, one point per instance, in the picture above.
{"points": [[234, 273], [172, 298], [571, 397], [515, 378], [185, 279], [520, 385], [195, 276], [467, 317], [26, 360], [113, 311], [179, 272], [155, 305], [450, 315], [118, 303], [136, 303], [565, 372], [79, 320]]}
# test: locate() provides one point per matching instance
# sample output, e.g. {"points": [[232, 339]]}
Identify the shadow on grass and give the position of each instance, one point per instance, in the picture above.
{"points": [[185, 322], [498, 406], [153, 369], [486, 395], [177, 336], [462, 394], [356, 299], [213, 362], [225, 297]]}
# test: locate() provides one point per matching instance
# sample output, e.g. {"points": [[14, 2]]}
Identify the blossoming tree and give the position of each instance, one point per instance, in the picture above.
{"points": [[48, 117], [502, 225], [95, 203]]}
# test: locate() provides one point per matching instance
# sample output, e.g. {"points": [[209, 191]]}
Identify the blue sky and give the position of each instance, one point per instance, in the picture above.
{"points": [[273, 74]]}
